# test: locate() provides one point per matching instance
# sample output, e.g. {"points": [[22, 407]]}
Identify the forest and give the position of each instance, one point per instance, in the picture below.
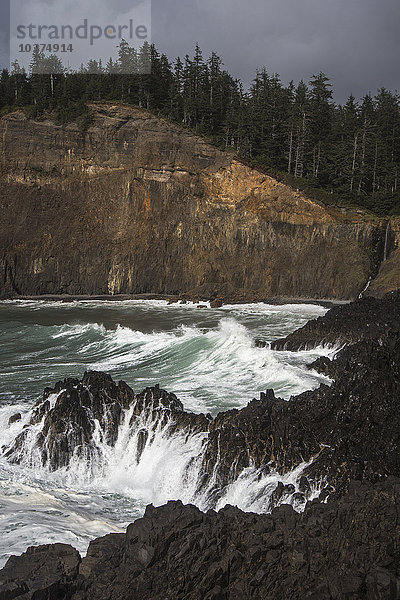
{"points": [[344, 155]]}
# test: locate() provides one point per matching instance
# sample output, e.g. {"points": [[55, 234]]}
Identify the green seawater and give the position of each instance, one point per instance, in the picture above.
{"points": [[207, 357]]}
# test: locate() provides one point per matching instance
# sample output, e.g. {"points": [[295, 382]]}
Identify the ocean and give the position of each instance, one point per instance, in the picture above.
{"points": [[207, 357]]}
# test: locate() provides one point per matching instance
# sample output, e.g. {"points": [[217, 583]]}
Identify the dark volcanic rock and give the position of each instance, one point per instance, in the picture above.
{"points": [[72, 410], [321, 365], [356, 422], [42, 572], [239, 438], [162, 405], [349, 430], [344, 549], [366, 318], [14, 418], [261, 344], [69, 412], [344, 546]]}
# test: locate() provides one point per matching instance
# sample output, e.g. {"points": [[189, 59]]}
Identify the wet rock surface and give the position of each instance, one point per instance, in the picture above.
{"points": [[366, 318], [349, 430], [336, 428], [344, 545], [73, 410], [343, 549]]}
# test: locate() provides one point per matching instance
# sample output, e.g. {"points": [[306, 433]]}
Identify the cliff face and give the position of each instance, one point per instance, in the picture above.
{"points": [[137, 205]]}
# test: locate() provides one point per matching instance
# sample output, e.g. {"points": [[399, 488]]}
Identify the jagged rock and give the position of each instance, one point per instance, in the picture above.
{"points": [[14, 418], [73, 409], [349, 430], [304, 484], [343, 546], [366, 318], [161, 406], [41, 572], [238, 438], [322, 365], [280, 494], [68, 426], [342, 549], [338, 428], [260, 344]]}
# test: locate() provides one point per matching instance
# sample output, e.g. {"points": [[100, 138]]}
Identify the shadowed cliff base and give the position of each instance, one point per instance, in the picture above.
{"points": [[346, 436], [215, 300], [137, 205]]}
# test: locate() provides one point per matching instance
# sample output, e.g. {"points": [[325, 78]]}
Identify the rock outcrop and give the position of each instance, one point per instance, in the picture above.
{"points": [[135, 204], [366, 318], [344, 545], [346, 549], [349, 430], [43, 572], [336, 430], [73, 411]]}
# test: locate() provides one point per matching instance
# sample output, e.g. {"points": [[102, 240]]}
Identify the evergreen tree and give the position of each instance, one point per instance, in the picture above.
{"points": [[320, 122], [350, 151]]}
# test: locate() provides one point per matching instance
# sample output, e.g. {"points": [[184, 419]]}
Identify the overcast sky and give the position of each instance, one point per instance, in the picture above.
{"points": [[355, 42]]}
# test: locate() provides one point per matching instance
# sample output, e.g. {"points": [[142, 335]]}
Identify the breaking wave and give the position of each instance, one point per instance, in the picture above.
{"points": [[208, 358]]}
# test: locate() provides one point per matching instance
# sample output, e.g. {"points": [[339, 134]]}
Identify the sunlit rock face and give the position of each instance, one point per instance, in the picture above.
{"points": [[135, 204]]}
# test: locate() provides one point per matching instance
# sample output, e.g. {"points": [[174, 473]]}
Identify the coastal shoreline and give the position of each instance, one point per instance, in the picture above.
{"points": [[326, 302], [340, 430]]}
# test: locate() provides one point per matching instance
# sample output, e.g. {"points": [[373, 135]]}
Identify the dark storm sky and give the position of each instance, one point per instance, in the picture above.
{"points": [[355, 42]]}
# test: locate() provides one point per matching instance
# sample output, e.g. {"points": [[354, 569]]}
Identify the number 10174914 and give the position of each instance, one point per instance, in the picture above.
{"points": [[52, 48]]}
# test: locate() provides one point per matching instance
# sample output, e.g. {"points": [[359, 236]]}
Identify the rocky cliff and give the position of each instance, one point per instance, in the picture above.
{"points": [[134, 204]]}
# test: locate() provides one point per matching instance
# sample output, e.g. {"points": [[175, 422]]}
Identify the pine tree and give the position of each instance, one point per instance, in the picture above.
{"points": [[301, 106], [321, 119]]}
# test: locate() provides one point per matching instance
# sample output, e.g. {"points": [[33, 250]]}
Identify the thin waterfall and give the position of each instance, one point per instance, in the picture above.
{"points": [[366, 287], [386, 241]]}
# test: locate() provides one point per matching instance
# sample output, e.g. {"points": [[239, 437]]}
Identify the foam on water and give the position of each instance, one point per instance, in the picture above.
{"points": [[253, 488], [210, 369], [208, 358], [30, 516]]}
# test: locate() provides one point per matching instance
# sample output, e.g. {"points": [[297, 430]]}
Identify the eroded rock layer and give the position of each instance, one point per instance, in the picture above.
{"points": [[135, 204]]}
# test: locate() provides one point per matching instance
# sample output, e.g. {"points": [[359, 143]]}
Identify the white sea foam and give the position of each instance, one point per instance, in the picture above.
{"points": [[252, 490], [223, 365], [208, 358]]}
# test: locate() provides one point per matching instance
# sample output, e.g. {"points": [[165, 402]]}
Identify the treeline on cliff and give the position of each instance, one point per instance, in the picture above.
{"points": [[337, 154]]}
